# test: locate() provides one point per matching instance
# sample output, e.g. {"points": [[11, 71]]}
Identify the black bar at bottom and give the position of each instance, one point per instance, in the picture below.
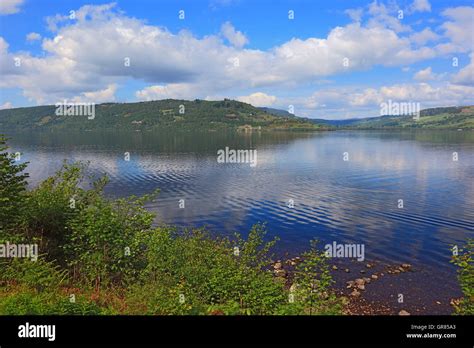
{"points": [[221, 330]]}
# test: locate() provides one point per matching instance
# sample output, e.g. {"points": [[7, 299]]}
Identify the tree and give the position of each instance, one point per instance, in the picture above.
{"points": [[12, 188]]}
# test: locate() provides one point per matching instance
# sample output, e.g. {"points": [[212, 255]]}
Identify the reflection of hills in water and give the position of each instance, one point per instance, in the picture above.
{"points": [[178, 142], [171, 142], [353, 202]]}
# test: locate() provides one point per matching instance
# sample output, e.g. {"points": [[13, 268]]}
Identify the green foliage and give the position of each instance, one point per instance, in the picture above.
{"points": [[103, 244], [208, 273], [312, 284], [40, 274], [28, 302], [48, 210], [465, 261], [12, 190]]}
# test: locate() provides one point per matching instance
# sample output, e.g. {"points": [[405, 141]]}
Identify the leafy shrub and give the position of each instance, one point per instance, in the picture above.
{"points": [[29, 302], [465, 261], [312, 293], [103, 244], [12, 190], [40, 274], [208, 274], [52, 205]]}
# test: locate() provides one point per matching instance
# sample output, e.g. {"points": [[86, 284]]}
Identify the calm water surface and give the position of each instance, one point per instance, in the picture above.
{"points": [[353, 201]]}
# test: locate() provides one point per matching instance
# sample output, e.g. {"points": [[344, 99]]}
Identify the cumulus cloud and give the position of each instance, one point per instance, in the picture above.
{"points": [[78, 64], [386, 16], [203, 66], [100, 96], [362, 102], [465, 76], [425, 75], [459, 29], [258, 99], [446, 93], [6, 105], [33, 37], [236, 38], [424, 36], [10, 6], [170, 91], [355, 14], [420, 6]]}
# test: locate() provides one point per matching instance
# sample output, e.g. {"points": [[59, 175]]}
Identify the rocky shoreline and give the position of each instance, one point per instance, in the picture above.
{"points": [[376, 288]]}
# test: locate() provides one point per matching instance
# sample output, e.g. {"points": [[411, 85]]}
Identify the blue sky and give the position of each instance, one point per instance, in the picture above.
{"points": [[334, 59]]}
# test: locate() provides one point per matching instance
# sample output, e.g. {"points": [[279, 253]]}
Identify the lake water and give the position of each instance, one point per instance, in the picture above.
{"points": [[353, 201]]}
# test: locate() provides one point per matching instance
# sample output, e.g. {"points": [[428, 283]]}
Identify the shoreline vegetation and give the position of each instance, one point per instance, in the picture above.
{"points": [[99, 256], [185, 115]]}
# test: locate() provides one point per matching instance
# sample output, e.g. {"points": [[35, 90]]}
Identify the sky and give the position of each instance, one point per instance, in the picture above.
{"points": [[321, 59]]}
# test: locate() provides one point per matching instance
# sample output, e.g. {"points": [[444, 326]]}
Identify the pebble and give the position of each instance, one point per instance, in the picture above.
{"points": [[355, 293], [277, 265], [374, 276], [361, 287], [347, 270], [403, 312], [334, 267]]}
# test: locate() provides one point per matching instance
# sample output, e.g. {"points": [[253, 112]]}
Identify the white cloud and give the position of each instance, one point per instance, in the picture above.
{"points": [[424, 36], [258, 99], [170, 91], [33, 37], [6, 105], [420, 6], [459, 29], [78, 63], [236, 38], [201, 66], [100, 96], [465, 76], [386, 17], [10, 6], [424, 93], [425, 75], [355, 14], [348, 102]]}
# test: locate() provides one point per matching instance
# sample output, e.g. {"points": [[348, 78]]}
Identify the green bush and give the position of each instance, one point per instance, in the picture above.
{"points": [[312, 281], [208, 273], [40, 275], [12, 191], [465, 261], [103, 245], [29, 302]]}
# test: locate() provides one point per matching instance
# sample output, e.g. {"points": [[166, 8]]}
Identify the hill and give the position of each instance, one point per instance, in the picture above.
{"points": [[153, 115], [456, 117]]}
